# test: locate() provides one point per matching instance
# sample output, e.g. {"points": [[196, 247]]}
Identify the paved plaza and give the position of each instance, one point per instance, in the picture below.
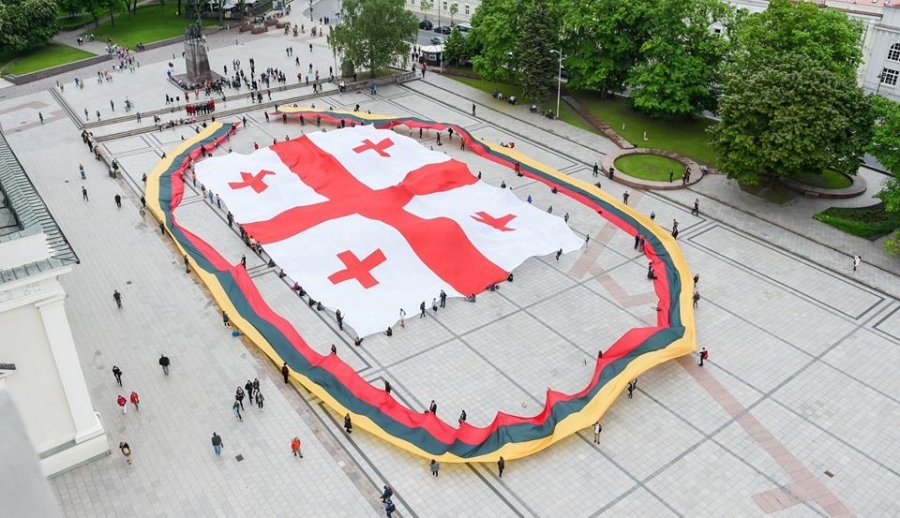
{"points": [[796, 414]]}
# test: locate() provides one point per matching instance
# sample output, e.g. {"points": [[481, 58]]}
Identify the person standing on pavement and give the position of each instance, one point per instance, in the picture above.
{"points": [[501, 465], [259, 399], [164, 363], [704, 355], [236, 407], [84, 195], [217, 443], [118, 298], [135, 400], [856, 260], [285, 371], [443, 297], [122, 402], [402, 317], [295, 447], [348, 424], [126, 451], [473, 110], [597, 429], [117, 372], [389, 508], [387, 493], [435, 468], [225, 319], [239, 396], [249, 388], [432, 407], [118, 199]]}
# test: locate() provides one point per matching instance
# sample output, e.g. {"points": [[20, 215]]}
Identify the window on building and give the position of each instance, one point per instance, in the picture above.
{"points": [[467, 9], [444, 4], [889, 76], [894, 52]]}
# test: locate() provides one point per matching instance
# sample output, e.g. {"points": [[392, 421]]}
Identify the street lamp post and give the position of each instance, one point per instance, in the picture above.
{"points": [[878, 88], [558, 80]]}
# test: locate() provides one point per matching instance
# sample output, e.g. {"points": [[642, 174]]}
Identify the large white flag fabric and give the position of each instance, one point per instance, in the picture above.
{"points": [[371, 222]]}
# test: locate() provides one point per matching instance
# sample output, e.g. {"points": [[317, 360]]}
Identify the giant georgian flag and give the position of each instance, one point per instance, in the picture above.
{"points": [[369, 221]]}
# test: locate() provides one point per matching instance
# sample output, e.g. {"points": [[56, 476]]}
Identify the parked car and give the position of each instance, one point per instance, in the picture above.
{"points": [[437, 40], [426, 25], [446, 29]]}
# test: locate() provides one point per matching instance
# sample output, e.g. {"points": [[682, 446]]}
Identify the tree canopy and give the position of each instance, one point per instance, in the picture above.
{"points": [[538, 65], [885, 147], [829, 37], [374, 33], [680, 60], [791, 116], [602, 41], [495, 32], [27, 24]]}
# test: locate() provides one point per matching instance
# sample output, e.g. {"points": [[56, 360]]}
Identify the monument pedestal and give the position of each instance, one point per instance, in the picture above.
{"points": [[197, 62]]}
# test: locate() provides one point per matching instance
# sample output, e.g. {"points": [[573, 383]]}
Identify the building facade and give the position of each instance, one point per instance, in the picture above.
{"points": [[879, 73], [39, 366]]}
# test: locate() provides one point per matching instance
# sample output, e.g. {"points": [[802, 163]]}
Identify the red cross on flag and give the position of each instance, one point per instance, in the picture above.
{"points": [[369, 221]]}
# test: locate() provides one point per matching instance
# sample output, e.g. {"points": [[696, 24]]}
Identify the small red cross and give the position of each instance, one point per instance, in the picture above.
{"points": [[356, 269], [498, 223], [379, 148], [255, 182]]}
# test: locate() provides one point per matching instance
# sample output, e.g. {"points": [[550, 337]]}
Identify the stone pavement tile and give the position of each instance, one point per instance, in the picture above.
{"points": [[890, 324], [667, 384], [477, 386], [461, 316], [757, 355], [861, 483], [554, 363], [568, 481], [709, 481], [640, 502], [817, 284], [197, 217], [765, 303], [793, 231], [845, 407], [450, 494], [855, 356], [534, 281], [642, 436], [319, 329], [592, 322], [737, 440]]}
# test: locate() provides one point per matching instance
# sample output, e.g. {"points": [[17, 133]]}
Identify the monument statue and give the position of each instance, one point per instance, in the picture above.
{"points": [[196, 60]]}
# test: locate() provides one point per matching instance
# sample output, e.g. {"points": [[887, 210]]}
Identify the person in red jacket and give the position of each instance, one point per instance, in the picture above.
{"points": [[135, 400], [122, 402]]}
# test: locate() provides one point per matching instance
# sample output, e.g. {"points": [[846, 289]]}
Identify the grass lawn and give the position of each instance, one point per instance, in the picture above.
{"points": [[827, 180], [650, 167], [47, 56], [565, 112], [869, 223], [148, 24], [686, 137]]}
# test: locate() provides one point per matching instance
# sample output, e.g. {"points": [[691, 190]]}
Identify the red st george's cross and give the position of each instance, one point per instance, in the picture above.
{"points": [[463, 267]]}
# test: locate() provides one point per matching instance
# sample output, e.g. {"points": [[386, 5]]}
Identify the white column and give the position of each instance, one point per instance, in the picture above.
{"points": [[62, 345]]}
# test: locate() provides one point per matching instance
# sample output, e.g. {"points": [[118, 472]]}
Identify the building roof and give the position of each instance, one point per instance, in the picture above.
{"points": [[24, 213]]}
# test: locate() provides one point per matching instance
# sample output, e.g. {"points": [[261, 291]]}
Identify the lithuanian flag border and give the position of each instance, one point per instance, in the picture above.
{"points": [[373, 409]]}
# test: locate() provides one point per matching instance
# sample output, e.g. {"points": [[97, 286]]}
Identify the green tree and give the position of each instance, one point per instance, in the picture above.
{"points": [[374, 33], [788, 117], [828, 36], [885, 147], [602, 40], [454, 8], [680, 60], [27, 24], [455, 47], [540, 27], [495, 33]]}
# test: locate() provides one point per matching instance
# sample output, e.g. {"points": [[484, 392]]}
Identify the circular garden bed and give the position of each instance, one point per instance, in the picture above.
{"points": [[655, 168]]}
